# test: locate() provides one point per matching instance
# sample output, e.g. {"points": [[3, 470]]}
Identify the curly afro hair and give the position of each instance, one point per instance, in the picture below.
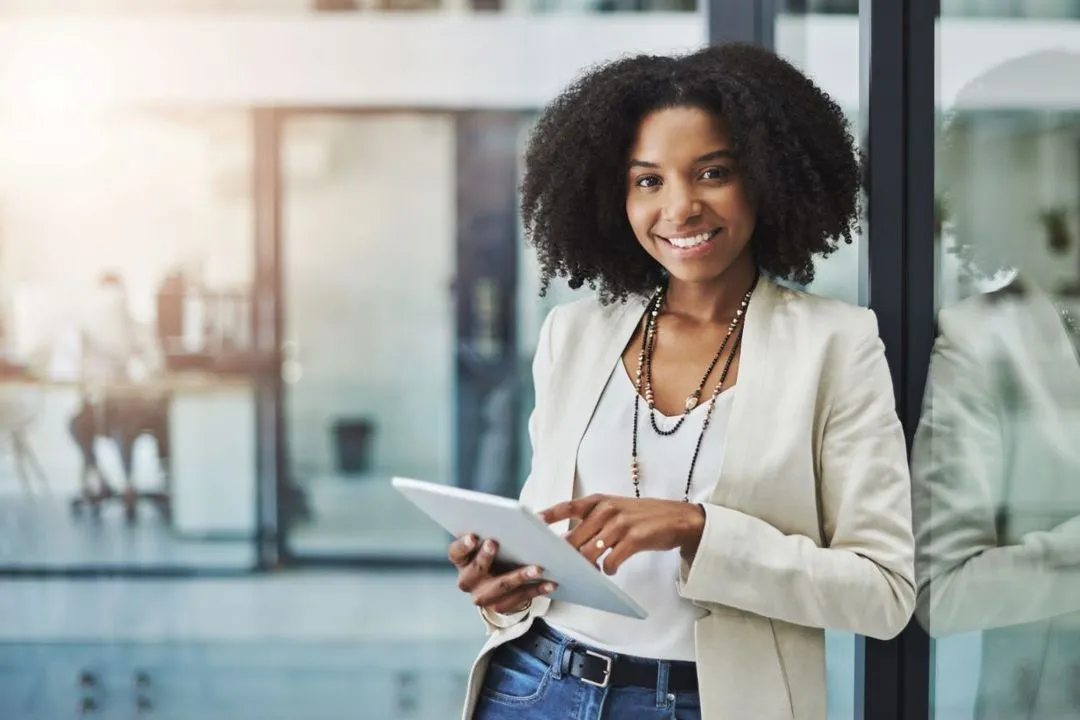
{"points": [[796, 154]]}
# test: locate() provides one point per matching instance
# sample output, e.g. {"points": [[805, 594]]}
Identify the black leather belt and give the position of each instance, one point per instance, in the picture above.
{"points": [[603, 670]]}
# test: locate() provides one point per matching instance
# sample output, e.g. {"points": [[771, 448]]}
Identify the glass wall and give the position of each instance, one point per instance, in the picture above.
{"points": [[126, 404], [369, 250], [996, 464]]}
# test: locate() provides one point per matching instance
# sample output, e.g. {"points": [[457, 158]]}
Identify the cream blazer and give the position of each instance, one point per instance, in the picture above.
{"points": [[809, 524], [996, 472]]}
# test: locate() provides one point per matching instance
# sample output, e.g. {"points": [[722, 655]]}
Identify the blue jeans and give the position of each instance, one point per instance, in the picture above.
{"points": [[519, 686]]}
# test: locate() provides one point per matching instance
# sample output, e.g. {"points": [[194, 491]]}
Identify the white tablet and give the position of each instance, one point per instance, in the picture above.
{"points": [[524, 539]]}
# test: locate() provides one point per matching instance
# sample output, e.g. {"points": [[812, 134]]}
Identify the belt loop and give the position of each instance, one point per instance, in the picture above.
{"points": [[663, 670], [566, 656]]}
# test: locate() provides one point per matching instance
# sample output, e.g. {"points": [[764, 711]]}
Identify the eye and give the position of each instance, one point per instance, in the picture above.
{"points": [[647, 181], [716, 173]]}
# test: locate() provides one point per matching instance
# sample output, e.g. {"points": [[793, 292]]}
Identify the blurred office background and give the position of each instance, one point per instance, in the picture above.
{"points": [[294, 222]]}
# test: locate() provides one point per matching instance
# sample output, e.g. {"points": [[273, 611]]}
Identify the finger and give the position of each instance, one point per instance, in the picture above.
{"points": [[478, 569], [519, 599], [579, 508], [603, 512], [492, 590], [627, 547], [461, 550], [606, 538]]}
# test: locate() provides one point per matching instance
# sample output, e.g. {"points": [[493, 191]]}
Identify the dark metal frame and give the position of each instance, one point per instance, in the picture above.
{"points": [[898, 101], [271, 483], [743, 21]]}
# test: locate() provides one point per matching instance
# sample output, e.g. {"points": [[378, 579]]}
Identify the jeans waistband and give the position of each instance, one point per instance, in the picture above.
{"points": [[541, 627]]}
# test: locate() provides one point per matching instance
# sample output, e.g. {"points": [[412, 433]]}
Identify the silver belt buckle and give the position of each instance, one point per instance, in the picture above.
{"points": [[607, 671]]}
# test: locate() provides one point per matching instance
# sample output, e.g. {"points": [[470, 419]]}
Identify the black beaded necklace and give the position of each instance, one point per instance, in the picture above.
{"points": [[644, 370]]}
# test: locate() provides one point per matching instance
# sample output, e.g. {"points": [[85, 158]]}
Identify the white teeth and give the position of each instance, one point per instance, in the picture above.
{"points": [[689, 242]]}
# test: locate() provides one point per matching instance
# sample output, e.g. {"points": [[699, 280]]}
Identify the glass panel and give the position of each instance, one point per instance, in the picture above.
{"points": [[996, 463], [369, 262], [827, 49], [127, 432]]}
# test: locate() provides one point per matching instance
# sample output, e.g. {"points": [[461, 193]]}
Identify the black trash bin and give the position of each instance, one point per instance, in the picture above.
{"points": [[352, 439]]}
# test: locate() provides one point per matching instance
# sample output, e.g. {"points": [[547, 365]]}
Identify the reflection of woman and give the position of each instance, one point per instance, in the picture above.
{"points": [[996, 462], [679, 188]]}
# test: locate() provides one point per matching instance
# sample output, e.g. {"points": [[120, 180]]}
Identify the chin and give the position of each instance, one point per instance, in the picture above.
{"points": [[696, 275]]}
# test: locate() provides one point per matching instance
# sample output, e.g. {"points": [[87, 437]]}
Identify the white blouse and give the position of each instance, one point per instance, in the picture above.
{"points": [[603, 466]]}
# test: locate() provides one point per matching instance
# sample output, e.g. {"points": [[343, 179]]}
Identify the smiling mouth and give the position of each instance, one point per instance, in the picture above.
{"points": [[686, 242]]}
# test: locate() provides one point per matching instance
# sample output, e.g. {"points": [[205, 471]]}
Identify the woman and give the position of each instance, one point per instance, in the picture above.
{"points": [[726, 448]]}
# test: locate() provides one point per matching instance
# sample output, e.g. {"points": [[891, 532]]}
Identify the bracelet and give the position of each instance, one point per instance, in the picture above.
{"points": [[496, 618]]}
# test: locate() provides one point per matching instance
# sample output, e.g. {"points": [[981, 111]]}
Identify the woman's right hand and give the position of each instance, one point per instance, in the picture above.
{"points": [[506, 593]]}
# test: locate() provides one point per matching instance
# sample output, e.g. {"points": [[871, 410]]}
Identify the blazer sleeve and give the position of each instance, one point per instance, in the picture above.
{"points": [[968, 577], [542, 364], [863, 581]]}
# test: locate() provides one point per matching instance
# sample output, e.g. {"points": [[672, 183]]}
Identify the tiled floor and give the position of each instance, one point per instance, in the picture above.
{"points": [[372, 645], [349, 517], [365, 515], [301, 606], [43, 532]]}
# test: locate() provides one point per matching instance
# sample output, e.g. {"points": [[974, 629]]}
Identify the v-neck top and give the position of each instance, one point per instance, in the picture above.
{"points": [[603, 466]]}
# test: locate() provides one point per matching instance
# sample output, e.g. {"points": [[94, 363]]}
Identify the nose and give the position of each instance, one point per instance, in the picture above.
{"points": [[681, 205]]}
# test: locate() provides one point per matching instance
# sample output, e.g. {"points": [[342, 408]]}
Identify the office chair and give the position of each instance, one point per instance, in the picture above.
{"points": [[19, 406]]}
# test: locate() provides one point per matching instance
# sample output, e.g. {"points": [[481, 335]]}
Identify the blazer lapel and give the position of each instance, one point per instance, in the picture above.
{"points": [[601, 347], [754, 369], [580, 380]]}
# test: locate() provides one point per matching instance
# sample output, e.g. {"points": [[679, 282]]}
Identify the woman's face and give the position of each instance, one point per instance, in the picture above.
{"points": [[686, 201]]}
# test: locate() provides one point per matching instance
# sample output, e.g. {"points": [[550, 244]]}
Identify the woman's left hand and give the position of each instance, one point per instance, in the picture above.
{"points": [[629, 525]]}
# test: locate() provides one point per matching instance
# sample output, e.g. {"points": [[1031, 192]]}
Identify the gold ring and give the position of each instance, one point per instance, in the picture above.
{"points": [[599, 544]]}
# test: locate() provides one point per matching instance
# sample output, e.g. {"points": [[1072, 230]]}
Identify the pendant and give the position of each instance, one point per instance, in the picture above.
{"points": [[691, 403]]}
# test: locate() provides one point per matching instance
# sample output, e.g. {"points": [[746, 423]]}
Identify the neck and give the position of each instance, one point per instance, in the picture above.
{"points": [[714, 301]]}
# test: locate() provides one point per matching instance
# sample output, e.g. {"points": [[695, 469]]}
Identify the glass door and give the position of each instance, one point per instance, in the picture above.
{"points": [[368, 353]]}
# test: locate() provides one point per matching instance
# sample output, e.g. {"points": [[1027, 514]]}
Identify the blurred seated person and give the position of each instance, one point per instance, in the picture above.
{"points": [[118, 357]]}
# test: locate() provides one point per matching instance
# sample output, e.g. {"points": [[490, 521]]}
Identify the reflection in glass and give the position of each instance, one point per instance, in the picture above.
{"points": [[126, 406], [996, 463]]}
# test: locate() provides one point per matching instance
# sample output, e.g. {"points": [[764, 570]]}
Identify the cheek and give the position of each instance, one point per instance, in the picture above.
{"points": [[735, 205], [746, 209], [640, 217]]}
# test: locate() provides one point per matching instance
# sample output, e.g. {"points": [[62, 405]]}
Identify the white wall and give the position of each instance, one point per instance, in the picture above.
{"points": [[353, 59], [439, 60], [135, 193], [96, 7]]}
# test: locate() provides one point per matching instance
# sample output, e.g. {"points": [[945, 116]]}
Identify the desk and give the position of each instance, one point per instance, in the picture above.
{"points": [[212, 434]]}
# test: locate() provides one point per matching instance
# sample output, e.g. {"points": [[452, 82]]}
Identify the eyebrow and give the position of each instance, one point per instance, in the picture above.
{"points": [[714, 155]]}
